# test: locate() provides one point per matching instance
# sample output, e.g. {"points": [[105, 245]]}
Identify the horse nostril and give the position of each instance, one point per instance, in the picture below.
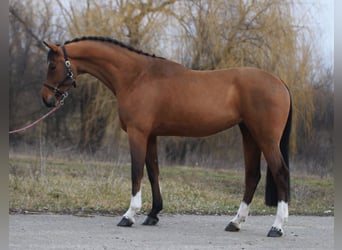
{"points": [[50, 101]]}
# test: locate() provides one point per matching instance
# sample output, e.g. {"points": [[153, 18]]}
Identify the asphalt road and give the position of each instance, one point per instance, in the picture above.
{"points": [[45, 232]]}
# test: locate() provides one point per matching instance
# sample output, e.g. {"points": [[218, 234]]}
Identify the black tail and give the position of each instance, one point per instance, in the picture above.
{"points": [[271, 197]]}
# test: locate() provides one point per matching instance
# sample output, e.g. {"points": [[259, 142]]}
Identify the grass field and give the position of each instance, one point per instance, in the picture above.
{"points": [[63, 186]]}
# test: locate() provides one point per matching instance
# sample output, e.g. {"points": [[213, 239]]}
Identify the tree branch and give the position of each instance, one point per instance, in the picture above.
{"points": [[14, 13]]}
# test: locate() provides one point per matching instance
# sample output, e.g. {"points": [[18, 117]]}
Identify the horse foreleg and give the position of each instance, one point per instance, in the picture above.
{"points": [[252, 154], [153, 175], [137, 142]]}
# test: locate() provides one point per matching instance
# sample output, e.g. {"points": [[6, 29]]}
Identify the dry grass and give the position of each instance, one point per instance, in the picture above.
{"points": [[97, 187]]}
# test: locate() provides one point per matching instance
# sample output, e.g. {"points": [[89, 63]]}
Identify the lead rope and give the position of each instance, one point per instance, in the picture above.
{"points": [[37, 121]]}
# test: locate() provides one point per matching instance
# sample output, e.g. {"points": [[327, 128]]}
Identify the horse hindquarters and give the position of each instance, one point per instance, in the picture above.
{"points": [[271, 136]]}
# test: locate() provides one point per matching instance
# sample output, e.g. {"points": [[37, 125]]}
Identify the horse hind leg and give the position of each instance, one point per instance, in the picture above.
{"points": [[280, 174], [252, 154]]}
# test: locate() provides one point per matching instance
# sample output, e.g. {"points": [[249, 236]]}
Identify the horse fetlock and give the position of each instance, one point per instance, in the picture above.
{"points": [[238, 219], [130, 214], [242, 213]]}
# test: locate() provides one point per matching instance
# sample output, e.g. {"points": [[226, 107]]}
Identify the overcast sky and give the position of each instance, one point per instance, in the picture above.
{"points": [[327, 22], [323, 11]]}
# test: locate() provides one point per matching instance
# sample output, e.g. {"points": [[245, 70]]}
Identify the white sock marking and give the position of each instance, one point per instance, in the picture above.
{"points": [[134, 207], [241, 214], [282, 215]]}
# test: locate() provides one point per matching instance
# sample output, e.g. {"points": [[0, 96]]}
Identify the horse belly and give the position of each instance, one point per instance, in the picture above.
{"points": [[197, 124]]}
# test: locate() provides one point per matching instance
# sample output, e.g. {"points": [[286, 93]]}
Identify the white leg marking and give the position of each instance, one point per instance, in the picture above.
{"points": [[134, 207], [282, 215], [241, 214]]}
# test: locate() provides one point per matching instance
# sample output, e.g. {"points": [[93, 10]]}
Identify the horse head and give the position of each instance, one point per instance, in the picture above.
{"points": [[60, 76]]}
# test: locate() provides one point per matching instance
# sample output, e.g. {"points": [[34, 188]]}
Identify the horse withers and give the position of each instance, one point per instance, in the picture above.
{"points": [[158, 97]]}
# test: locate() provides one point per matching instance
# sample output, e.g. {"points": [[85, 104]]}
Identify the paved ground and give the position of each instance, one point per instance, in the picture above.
{"points": [[45, 232]]}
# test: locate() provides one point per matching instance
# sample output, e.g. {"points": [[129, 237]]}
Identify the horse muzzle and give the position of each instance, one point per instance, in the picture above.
{"points": [[49, 98], [50, 101]]}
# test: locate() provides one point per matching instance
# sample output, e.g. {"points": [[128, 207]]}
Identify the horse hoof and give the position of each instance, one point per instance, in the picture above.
{"points": [[275, 232], [150, 221], [232, 227], [125, 222]]}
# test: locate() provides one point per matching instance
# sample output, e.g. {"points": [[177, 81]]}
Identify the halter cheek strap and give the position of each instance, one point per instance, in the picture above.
{"points": [[69, 77]]}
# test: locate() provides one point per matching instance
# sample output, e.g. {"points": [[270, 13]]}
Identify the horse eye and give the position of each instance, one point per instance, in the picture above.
{"points": [[52, 67]]}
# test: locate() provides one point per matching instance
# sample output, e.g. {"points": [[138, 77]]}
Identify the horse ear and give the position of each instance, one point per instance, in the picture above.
{"points": [[51, 46]]}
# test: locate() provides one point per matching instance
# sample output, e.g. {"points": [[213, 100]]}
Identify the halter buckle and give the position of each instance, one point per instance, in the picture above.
{"points": [[56, 90], [64, 95]]}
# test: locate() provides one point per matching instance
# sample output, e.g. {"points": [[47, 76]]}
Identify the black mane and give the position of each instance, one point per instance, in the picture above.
{"points": [[113, 41]]}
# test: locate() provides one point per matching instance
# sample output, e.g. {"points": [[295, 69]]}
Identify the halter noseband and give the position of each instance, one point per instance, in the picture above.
{"points": [[69, 77]]}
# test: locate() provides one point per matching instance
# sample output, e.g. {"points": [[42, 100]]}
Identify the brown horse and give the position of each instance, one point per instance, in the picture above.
{"points": [[158, 97]]}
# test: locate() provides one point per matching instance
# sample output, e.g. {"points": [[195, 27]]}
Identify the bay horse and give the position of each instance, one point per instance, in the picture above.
{"points": [[158, 97]]}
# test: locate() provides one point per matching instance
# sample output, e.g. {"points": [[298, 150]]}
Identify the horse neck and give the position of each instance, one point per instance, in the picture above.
{"points": [[116, 67]]}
